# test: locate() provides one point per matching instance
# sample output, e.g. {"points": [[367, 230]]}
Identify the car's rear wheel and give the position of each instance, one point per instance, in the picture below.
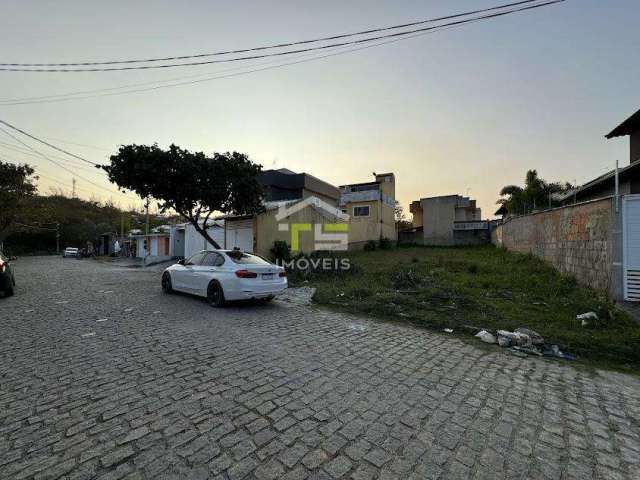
{"points": [[166, 283], [215, 295]]}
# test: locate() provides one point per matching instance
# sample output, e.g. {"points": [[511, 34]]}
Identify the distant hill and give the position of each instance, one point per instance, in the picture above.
{"points": [[80, 221]]}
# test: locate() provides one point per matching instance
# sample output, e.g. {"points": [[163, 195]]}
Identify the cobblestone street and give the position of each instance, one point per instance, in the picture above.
{"points": [[104, 376]]}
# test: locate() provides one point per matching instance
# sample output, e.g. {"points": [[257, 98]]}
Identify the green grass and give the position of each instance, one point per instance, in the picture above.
{"points": [[482, 287]]}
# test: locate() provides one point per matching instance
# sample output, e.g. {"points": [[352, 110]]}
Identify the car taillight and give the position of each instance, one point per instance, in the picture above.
{"points": [[246, 274], [283, 273]]}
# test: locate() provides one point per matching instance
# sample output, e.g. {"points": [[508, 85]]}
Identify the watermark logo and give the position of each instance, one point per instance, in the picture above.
{"points": [[316, 264], [332, 234]]}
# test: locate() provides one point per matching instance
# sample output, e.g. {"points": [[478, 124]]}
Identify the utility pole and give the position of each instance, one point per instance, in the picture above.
{"points": [[146, 207], [146, 242], [73, 188], [57, 238], [121, 231]]}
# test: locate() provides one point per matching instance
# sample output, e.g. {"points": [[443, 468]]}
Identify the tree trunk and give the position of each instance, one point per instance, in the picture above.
{"points": [[205, 234]]}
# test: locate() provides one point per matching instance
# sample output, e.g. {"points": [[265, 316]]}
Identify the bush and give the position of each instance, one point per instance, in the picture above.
{"points": [[370, 246], [384, 243], [280, 251], [405, 279]]}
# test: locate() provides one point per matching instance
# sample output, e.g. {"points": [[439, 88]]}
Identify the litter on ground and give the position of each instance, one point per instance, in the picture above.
{"points": [[486, 337], [586, 318], [523, 342]]}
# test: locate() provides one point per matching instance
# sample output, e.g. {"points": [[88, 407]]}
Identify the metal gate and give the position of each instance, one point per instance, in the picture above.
{"points": [[631, 246]]}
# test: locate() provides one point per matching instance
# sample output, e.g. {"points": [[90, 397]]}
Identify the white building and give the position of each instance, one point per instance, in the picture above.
{"points": [[194, 242]]}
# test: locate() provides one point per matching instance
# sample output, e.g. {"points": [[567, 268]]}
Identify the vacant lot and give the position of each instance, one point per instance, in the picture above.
{"points": [[482, 287]]}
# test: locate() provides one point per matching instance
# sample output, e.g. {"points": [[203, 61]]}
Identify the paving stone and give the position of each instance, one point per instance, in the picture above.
{"points": [[280, 392], [378, 457], [338, 467]]}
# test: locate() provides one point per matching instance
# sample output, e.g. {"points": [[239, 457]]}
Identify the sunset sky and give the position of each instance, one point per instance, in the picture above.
{"points": [[466, 109]]}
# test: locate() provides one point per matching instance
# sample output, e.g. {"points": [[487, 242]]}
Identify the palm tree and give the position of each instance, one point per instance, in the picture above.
{"points": [[535, 195]]}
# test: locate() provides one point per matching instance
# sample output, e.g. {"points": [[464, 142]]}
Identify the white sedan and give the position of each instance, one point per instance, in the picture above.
{"points": [[225, 275], [70, 252]]}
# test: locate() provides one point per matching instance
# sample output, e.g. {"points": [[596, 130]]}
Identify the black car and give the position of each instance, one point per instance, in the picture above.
{"points": [[7, 280]]}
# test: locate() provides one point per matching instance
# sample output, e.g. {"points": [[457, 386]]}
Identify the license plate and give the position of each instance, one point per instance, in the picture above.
{"points": [[267, 276]]}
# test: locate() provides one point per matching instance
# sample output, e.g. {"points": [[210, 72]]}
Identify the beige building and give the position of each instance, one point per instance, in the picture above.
{"points": [[371, 207], [285, 189], [446, 220]]}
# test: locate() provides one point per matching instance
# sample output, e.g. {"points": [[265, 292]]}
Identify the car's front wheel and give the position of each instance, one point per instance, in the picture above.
{"points": [[166, 283], [215, 295]]}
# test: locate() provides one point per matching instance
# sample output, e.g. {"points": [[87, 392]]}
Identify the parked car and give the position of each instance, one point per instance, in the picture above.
{"points": [[7, 279], [71, 252], [225, 275]]}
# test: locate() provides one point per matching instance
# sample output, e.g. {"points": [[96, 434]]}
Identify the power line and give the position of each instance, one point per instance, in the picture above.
{"points": [[109, 91], [133, 85], [47, 144], [268, 47], [278, 54], [95, 147], [55, 162], [23, 151], [155, 83], [50, 178]]}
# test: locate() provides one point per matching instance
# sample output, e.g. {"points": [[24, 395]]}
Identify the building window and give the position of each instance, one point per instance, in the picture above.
{"points": [[361, 211], [344, 210]]}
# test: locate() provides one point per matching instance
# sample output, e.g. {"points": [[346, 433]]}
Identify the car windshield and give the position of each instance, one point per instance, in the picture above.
{"points": [[245, 258]]}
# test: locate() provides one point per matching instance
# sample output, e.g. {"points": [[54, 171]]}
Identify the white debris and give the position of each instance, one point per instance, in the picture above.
{"points": [[536, 338], [512, 339], [486, 337], [90, 334], [102, 320], [448, 330], [585, 318]]}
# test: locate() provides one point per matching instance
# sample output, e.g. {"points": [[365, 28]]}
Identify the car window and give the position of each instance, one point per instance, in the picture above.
{"points": [[195, 259], [213, 260], [246, 259]]}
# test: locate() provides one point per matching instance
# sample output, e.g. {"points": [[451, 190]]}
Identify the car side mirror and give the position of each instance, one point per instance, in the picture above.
{"points": [[181, 262]]}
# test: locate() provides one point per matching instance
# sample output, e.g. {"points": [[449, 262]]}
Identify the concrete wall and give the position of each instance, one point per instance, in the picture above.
{"points": [[331, 200], [634, 146], [267, 232], [438, 215], [583, 240], [471, 237], [379, 223], [388, 222]]}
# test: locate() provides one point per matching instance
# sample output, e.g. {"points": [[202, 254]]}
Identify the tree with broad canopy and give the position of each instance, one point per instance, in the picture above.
{"points": [[16, 184], [190, 183]]}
